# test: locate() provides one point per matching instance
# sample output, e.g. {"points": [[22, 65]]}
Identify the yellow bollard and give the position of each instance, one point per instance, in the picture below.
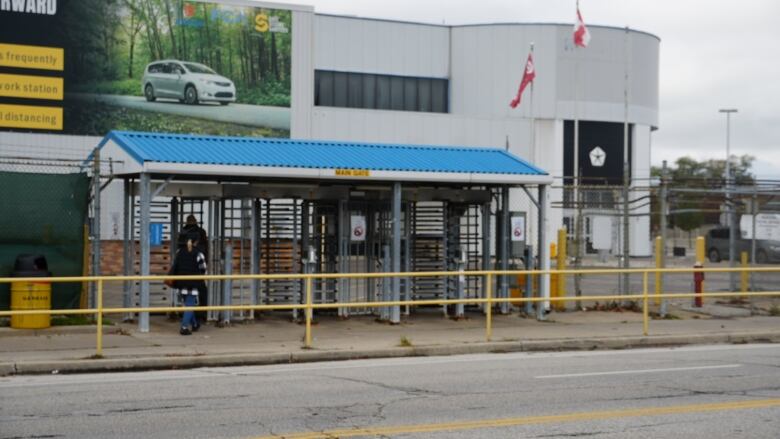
{"points": [[560, 290], [701, 256], [489, 307], [744, 273], [659, 248], [99, 350], [309, 311]]}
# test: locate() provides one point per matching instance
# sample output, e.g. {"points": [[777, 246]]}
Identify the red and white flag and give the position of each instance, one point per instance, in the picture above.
{"points": [[581, 34], [528, 75]]}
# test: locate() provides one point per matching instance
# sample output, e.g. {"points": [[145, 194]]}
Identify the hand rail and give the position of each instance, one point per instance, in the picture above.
{"points": [[308, 307]]}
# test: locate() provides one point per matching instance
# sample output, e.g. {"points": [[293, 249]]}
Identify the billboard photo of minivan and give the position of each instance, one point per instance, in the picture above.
{"points": [[188, 82]]}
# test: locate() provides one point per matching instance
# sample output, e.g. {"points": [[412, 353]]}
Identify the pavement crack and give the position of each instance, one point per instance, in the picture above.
{"points": [[407, 390]]}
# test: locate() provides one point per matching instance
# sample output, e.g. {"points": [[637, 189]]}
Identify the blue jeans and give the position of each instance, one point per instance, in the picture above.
{"points": [[188, 319]]}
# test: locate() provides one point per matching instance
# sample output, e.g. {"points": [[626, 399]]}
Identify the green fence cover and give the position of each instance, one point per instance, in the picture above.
{"points": [[44, 214]]}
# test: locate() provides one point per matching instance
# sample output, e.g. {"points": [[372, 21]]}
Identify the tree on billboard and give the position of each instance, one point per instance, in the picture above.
{"points": [[116, 39]]}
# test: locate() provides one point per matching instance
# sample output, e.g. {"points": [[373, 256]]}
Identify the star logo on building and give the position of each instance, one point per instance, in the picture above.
{"points": [[597, 157]]}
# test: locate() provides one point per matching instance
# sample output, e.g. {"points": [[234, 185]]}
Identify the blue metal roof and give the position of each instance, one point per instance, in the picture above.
{"points": [[246, 151]]}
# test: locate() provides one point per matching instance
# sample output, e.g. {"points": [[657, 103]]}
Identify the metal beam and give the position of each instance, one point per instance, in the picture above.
{"points": [[127, 232], [544, 253], [395, 312], [503, 239], [146, 202]]}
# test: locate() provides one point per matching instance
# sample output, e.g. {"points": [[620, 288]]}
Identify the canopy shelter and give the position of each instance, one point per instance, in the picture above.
{"points": [[292, 206]]}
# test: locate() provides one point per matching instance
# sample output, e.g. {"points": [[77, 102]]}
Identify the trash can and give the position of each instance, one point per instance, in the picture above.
{"points": [[30, 295]]}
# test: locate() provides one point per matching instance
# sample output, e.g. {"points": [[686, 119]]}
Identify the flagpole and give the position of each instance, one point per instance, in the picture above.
{"points": [[626, 166], [576, 172]]}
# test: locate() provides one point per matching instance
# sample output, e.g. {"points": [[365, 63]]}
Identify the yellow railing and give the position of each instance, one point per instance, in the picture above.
{"points": [[309, 306]]}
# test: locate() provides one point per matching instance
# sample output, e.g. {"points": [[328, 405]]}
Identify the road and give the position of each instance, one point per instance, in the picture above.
{"points": [[697, 392], [243, 114]]}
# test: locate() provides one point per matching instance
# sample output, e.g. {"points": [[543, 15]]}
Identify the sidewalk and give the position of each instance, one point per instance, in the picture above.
{"points": [[275, 339]]}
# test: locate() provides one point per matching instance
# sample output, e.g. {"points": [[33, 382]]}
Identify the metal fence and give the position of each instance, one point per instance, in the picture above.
{"points": [[487, 300]]}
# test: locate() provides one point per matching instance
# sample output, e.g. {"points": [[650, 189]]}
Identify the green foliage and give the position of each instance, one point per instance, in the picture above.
{"points": [[127, 87], [113, 40], [688, 172], [405, 342], [688, 221], [98, 119], [270, 93]]}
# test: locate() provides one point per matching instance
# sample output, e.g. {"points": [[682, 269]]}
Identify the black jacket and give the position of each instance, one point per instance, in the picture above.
{"points": [[188, 262]]}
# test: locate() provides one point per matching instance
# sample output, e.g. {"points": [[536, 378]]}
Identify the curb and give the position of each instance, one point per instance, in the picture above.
{"points": [[58, 330], [309, 356]]}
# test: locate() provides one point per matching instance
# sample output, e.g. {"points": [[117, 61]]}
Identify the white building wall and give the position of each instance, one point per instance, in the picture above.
{"points": [[639, 226], [375, 46]]}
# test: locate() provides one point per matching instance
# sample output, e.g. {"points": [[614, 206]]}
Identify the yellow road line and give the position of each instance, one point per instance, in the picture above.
{"points": [[510, 422]]}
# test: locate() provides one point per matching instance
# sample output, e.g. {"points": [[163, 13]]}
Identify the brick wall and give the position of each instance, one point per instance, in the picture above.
{"points": [[112, 258]]}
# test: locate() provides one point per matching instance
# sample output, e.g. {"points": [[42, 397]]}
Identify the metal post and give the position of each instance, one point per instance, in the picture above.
{"points": [[626, 167], [743, 274], [579, 242], [754, 211], [127, 254], [504, 249], [664, 209], [486, 256], [626, 285], [309, 310], [384, 312], [544, 253], [227, 291], [99, 350], [560, 260], [731, 212], [659, 245], [342, 235], [529, 279], [488, 307], [407, 255], [254, 257], [172, 296], [395, 311], [95, 222], [645, 313], [146, 202], [462, 260]]}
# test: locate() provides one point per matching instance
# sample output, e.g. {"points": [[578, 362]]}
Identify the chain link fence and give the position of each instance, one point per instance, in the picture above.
{"points": [[44, 204]]}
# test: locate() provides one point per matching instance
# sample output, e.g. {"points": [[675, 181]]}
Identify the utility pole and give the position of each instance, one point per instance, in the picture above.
{"points": [[731, 212], [754, 211], [664, 209], [626, 169]]}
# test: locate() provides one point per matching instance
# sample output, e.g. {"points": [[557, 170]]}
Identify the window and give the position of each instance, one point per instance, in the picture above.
{"points": [[381, 92]]}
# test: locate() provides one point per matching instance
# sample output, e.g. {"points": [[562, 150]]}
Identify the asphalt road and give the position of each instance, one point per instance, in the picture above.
{"points": [[243, 114], [699, 392]]}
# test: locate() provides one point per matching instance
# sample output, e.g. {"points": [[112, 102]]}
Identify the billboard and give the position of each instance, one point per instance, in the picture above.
{"points": [[89, 66]]}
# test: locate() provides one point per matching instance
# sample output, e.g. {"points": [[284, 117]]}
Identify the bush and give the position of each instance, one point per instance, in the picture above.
{"points": [[126, 87]]}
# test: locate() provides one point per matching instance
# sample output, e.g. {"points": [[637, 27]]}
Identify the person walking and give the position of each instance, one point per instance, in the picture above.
{"points": [[191, 227], [189, 260]]}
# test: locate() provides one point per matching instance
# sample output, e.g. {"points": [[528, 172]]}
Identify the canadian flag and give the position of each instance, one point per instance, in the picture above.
{"points": [[528, 75], [581, 34]]}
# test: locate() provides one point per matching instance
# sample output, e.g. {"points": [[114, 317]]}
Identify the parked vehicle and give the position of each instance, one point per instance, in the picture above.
{"points": [[717, 243], [188, 82]]}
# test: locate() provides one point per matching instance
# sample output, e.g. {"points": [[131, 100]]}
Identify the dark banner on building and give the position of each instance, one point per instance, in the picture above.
{"points": [[89, 66], [600, 152]]}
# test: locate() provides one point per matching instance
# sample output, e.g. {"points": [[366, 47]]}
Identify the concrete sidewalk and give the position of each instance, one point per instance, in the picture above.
{"points": [[275, 339]]}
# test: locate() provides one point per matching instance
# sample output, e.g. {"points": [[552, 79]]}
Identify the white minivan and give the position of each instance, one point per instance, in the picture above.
{"points": [[188, 82]]}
